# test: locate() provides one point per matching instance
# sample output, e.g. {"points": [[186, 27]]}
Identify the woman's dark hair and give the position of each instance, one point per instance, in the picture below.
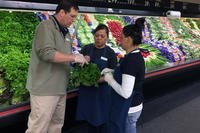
{"points": [[101, 27], [66, 5], [135, 31]]}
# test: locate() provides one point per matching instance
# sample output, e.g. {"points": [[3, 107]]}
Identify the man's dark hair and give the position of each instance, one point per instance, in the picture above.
{"points": [[66, 5]]}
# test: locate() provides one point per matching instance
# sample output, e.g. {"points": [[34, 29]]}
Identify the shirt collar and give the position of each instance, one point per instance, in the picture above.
{"points": [[135, 51]]}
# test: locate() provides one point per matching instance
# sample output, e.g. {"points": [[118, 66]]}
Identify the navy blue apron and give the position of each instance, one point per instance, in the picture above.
{"points": [[119, 106], [94, 102]]}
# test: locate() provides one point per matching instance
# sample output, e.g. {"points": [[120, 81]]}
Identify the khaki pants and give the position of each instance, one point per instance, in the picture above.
{"points": [[47, 114]]}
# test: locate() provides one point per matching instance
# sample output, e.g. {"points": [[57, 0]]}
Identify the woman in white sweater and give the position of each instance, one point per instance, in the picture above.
{"points": [[127, 81]]}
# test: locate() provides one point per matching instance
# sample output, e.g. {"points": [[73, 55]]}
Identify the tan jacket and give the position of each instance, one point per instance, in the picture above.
{"points": [[46, 77]]}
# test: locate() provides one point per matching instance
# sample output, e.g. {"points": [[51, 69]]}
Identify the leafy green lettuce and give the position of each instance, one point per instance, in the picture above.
{"points": [[86, 75]]}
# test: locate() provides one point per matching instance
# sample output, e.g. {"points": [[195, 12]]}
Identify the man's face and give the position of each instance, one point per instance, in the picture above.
{"points": [[70, 17]]}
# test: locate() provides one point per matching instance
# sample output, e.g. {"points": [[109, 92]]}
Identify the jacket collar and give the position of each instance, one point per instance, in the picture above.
{"points": [[55, 22], [63, 30]]}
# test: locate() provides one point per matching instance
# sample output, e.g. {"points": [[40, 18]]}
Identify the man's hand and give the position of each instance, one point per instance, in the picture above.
{"points": [[87, 58]]}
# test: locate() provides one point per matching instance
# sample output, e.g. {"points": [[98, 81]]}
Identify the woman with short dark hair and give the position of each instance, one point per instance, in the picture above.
{"points": [[94, 102]]}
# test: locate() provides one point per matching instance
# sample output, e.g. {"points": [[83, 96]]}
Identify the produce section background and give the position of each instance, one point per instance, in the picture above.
{"points": [[166, 43]]}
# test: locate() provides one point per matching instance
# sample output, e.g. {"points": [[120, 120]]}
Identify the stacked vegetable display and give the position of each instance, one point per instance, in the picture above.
{"points": [[193, 23], [165, 42], [115, 25], [162, 39], [156, 24], [189, 43], [170, 50], [85, 35], [116, 29], [152, 57], [171, 34], [17, 29], [154, 41]]}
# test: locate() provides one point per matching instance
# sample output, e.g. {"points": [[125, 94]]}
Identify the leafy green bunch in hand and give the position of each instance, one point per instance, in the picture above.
{"points": [[86, 75]]}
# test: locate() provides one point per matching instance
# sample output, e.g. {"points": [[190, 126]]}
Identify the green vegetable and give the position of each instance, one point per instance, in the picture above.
{"points": [[16, 99], [16, 35], [86, 75], [2, 86]]}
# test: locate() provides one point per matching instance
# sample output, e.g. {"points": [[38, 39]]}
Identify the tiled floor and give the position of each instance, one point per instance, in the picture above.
{"points": [[175, 112]]}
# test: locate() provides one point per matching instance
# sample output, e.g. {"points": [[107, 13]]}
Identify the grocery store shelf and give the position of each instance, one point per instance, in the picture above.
{"points": [[171, 69], [178, 110], [13, 109]]}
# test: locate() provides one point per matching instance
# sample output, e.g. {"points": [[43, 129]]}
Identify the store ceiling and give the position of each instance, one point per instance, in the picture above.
{"points": [[185, 6], [114, 1], [190, 1]]}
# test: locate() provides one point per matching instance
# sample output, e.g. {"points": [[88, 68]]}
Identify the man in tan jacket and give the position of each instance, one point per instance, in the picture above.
{"points": [[49, 70]]}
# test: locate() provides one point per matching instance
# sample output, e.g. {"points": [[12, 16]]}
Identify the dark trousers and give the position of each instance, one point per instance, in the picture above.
{"points": [[97, 129]]}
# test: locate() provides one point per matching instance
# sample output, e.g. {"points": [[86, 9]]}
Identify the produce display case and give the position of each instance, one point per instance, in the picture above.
{"points": [[168, 45]]}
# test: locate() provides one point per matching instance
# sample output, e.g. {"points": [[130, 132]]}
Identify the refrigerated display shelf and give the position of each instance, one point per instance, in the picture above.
{"points": [[175, 68], [159, 54], [25, 106], [23, 109], [14, 110]]}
